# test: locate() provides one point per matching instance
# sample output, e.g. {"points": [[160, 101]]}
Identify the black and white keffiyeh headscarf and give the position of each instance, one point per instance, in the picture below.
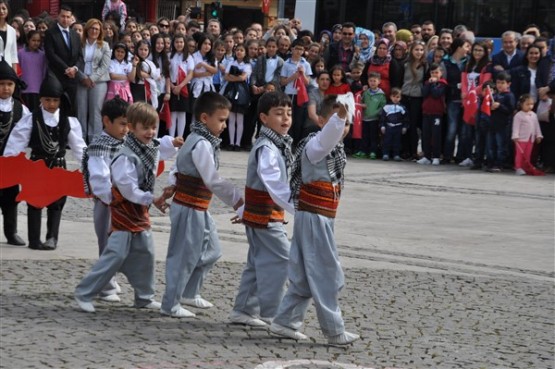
{"points": [[103, 145], [283, 143], [201, 130], [148, 154], [336, 161]]}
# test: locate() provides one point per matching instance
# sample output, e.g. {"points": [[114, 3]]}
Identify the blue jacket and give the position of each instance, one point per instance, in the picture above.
{"points": [[501, 59], [503, 115], [394, 114]]}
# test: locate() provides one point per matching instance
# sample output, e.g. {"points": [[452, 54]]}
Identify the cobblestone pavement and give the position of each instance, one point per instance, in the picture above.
{"points": [[466, 307], [406, 319]]}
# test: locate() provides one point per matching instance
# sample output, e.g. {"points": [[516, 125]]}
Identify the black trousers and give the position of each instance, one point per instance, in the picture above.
{"points": [[53, 220], [9, 209]]}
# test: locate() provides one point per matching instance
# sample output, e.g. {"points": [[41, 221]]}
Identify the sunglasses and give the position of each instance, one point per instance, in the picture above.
{"points": [[164, 25]]}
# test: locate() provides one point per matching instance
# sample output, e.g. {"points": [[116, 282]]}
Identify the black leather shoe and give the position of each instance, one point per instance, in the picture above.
{"points": [[49, 244], [35, 246], [16, 240]]}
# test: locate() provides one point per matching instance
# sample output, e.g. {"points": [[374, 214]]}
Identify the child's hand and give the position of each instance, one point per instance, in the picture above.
{"points": [[383, 130], [403, 131], [342, 111], [515, 140], [177, 141], [539, 139], [168, 192], [495, 105], [432, 80], [161, 204], [236, 220]]}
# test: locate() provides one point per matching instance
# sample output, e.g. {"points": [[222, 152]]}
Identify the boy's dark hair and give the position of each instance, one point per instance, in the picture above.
{"points": [[328, 104], [374, 75], [114, 108], [395, 91], [271, 39], [434, 66], [272, 100], [209, 102], [298, 42], [503, 76]]}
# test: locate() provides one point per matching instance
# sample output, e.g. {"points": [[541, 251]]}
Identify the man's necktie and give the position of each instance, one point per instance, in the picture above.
{"points": [[66, 37]]}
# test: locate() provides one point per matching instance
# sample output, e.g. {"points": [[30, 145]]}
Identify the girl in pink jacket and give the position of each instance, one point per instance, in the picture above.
{"points": [[526, 131]]}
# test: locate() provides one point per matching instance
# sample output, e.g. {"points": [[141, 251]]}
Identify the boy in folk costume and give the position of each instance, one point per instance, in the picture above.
{"points": [[130, 248], [97, 177], [47, 131], [314, 268], [194, 246], [11, 112], [267, 195]]}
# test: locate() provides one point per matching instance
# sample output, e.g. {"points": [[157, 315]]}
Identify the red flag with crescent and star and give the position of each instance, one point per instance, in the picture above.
{"points": [[470, 106]]}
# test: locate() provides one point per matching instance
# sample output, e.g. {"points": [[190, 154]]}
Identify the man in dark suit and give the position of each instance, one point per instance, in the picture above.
{"points": [[62, 46], [509, 57]]}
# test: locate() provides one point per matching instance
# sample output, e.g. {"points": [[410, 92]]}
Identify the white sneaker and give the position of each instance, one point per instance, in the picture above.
{"points": [[287, 332], [435, 161], [520, 172], [180, 312], [110, 298], [424, 161], [343, 339], [154, 305], [237, 317], [118, 288], [466, 163], [87, 307], [198, 302]]}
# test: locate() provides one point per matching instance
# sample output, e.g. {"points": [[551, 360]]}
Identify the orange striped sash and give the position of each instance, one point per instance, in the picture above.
{"points": [[127, 216], [319, 197], [260, 209], [191, 191]]}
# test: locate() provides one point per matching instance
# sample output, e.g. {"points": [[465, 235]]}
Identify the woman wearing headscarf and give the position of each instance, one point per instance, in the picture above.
{"points": [[380, 63]]}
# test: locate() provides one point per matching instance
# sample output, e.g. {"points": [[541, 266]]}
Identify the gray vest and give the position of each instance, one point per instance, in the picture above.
{"points": [[125, 151], [184, 161], [253, 180], [314, 172]]}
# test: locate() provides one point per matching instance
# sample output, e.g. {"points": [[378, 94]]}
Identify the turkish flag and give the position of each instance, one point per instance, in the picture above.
{"points": [[357, 122], [486, 103], [470, 106], [266, 6], [165, 115], [181, 75], [302, 93]]}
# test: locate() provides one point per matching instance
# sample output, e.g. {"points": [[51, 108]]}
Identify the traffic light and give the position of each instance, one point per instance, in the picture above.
{"points": [[215, 10]]}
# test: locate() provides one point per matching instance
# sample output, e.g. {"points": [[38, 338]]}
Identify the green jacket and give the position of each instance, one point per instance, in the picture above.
{"points": [[374, 101]]}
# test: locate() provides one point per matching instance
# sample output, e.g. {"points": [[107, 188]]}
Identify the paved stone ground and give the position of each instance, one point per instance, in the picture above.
{"points": [[406, 319], [441, 292]]}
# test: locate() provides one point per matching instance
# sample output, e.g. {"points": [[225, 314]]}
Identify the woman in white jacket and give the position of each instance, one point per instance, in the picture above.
{"points": [[8, 38]]}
